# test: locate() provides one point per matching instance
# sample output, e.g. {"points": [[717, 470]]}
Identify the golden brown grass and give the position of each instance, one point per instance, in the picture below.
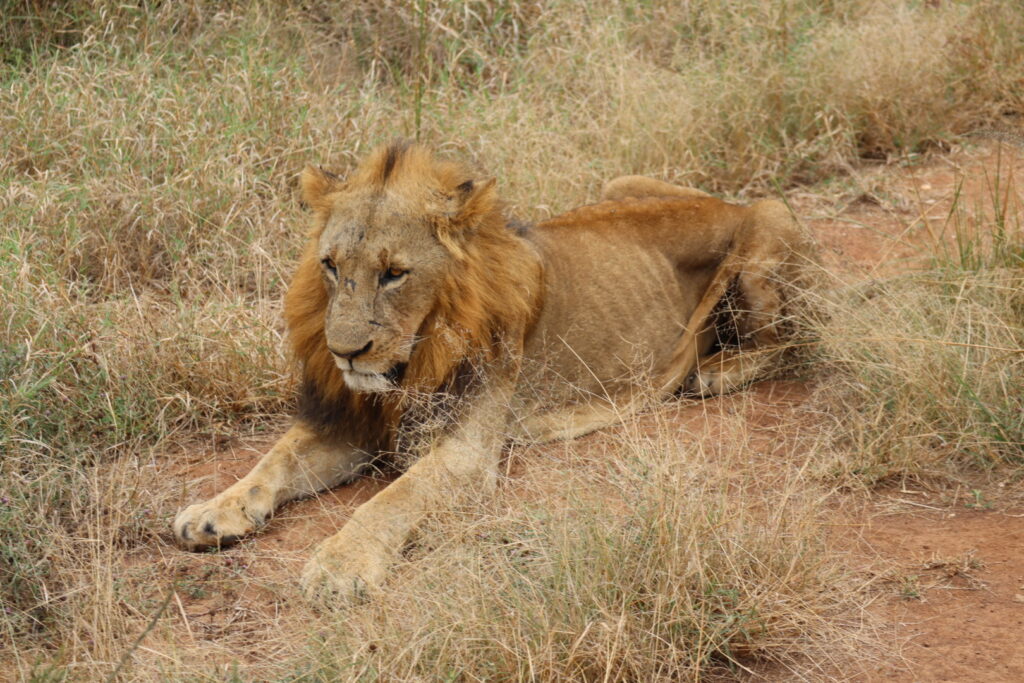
{"points": [[925, 369], [657, 551], [662, 558], [928, 370], [148, 221]]}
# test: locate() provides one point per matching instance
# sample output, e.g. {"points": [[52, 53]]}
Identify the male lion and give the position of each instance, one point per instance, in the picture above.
{"points": [[426, 324]]}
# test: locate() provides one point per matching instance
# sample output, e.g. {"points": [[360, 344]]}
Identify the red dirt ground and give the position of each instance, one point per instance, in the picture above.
{"points": [[945, 568], [952, 583], [957, 604]]}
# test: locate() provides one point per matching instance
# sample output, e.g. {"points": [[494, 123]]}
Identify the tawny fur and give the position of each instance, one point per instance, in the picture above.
{"points": [[413, 280]]}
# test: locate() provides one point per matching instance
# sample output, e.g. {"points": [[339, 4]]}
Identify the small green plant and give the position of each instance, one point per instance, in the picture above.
{"points": [[978, 501], [909, 587], [988, 235]]}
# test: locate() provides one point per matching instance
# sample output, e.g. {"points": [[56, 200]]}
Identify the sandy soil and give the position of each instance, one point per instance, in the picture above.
{"points": [[944, 567], [956, 598]]}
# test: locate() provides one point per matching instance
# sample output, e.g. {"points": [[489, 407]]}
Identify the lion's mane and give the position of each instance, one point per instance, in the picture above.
{"points": [[489, 297]]}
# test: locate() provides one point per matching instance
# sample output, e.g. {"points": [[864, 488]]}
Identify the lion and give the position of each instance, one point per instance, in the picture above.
{"points": [[428, 324]]}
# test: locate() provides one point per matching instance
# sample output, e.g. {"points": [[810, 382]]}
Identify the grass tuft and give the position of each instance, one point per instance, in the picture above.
{"points": [[663, 569], [928, 367]]}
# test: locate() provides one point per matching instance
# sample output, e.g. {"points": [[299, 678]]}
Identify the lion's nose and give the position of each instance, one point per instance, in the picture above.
{"points": [[349, 355]]}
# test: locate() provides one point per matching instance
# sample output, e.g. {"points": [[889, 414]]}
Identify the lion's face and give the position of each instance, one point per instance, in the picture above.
{"points": [[382, 266]]}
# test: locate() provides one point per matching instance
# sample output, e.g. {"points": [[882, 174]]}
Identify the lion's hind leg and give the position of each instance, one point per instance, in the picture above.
{"points": [[754, 323], [732, 369], [775, 250]]}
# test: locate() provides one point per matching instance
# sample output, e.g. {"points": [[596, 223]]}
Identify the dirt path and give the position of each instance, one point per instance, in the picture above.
{"points": [[954, 598]]}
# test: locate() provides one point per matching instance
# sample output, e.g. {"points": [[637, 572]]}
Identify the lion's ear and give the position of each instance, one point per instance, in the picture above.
{"points": [[316, 183], [473, 199]]}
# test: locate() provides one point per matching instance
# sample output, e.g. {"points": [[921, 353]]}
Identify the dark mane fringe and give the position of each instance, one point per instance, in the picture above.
{"points": [[489, 298], [364, 418]]}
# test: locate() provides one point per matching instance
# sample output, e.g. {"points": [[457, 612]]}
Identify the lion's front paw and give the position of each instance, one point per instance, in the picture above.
{"points": [[217, 523], [341, 576]]}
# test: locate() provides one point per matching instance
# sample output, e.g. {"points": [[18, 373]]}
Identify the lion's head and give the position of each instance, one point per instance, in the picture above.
{"points": [[410, 269]]}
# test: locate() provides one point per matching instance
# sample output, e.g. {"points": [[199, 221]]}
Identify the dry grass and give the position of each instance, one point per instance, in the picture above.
{"points": [[665, 563], [148, 223], [926, 368], [659, 553]]}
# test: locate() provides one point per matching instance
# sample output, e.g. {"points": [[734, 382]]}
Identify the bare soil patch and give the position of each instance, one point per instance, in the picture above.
{"points": [[953, 599]]}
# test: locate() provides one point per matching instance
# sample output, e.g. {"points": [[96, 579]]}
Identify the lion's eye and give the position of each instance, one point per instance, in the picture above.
{"points": [[392, 274], [328, 264]]}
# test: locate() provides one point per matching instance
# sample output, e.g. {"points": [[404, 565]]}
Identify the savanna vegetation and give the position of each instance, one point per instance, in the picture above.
{"points": [[149, 222]]}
